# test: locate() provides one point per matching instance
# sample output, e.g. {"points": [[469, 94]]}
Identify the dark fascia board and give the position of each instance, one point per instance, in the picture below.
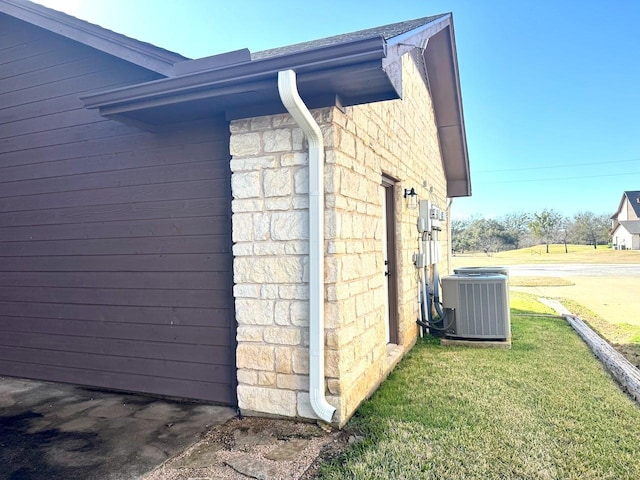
{"points": [[441, 61], [437, 42], [139, 53], [233, 79], [408, 42]]}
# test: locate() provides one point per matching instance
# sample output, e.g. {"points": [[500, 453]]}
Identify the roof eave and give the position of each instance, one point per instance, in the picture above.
{"points": [[437, 42], [441, 58], [139, 53], [257, 78], [357, 71]]}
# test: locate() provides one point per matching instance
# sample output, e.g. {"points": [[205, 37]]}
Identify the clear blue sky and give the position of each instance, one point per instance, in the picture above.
{"points": [[551, 89]]}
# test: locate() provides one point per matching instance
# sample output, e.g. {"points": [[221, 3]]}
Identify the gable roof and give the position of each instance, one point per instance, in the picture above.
{"points": [[134, 51], [633, 196], [360, 67], [343, 70], [386, 31], [634, 200], [631, 226]]}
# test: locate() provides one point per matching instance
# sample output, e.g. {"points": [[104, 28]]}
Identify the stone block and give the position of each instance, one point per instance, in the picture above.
{"points": [[296, 247], [283, 360], [270, 270], [250, 311], [261, 123], [301, 203], [247, 205], [293, 292], [277, 183], [242, 227], [268, 248], [245, 144], [289, 225], [332, 363], [245, 185], [261, 226], [240, 164], [304, 406], [247, 377], [242, 249], [245, 291], [267, 400], [298, 140], [292, 382], [334, 386], [278, 203], [277, 140], [283, 313], [239, 126], [249, 333], [255, 357], [268, 292], [300, 360], [301, 181], [299, 314], [284, 120], [351, 267], [267, 379], [282, 336], [294, 159], [331, 339]]}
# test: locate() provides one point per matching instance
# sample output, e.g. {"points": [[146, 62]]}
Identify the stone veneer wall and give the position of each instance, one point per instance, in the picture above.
{"points": [[270, 233]]}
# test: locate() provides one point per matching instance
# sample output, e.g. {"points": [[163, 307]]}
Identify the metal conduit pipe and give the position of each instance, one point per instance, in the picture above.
{"points": [[288, 90]]}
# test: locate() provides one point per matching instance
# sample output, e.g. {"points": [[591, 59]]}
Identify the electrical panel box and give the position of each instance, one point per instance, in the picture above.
{"points": [[424, 224], [430, 216], [432, 251]]}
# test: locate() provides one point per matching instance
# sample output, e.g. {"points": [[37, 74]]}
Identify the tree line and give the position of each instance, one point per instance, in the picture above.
{"points": [[522, 229]]}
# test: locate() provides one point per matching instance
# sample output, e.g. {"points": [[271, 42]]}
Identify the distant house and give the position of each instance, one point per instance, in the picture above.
{"points": [[189, 228], [625, 223]]}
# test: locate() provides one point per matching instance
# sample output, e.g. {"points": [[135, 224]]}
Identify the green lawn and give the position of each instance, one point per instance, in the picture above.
{"points": [[537, 254], [544, 409]]}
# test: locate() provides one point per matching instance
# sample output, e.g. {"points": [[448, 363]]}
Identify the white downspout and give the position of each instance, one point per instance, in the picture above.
{"points": [[449, 242], [288, 90]]}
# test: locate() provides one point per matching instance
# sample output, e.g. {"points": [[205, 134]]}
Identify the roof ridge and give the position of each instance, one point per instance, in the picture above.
{"points": [[387, 32], [91, 34]]}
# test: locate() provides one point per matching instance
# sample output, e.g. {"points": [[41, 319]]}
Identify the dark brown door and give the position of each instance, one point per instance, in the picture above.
{"points": [[390, 263]]}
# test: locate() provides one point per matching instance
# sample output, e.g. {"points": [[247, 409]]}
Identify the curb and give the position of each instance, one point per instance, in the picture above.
{"points": [[625, 373]]}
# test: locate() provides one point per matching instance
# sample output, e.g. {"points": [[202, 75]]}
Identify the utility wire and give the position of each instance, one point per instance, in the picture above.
{"points": [[568, 165], [558, 178]]}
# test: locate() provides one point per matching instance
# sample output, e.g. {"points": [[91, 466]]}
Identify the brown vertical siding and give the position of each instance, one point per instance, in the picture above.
{"points": [[115, 243]]}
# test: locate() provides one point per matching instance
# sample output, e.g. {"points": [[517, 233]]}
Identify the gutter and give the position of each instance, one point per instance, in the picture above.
{"points": [[290, 97], [237, 78]]}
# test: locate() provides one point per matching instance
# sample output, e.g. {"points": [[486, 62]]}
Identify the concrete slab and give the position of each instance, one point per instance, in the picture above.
{"points": [[50, 431]]}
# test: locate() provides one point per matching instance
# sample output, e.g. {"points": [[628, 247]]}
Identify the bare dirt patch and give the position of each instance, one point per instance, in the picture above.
{"points": [[253, 447]]}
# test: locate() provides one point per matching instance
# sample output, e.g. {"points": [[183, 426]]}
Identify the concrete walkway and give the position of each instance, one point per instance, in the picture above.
{"points": [[56, 431]]}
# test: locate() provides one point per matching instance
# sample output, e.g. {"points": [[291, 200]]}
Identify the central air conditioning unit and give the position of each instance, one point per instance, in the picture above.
{"points": [[477, 306]]}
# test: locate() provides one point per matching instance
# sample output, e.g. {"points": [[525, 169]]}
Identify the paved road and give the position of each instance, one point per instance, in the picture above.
{"points": [[573, 270], [609, 290]]}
